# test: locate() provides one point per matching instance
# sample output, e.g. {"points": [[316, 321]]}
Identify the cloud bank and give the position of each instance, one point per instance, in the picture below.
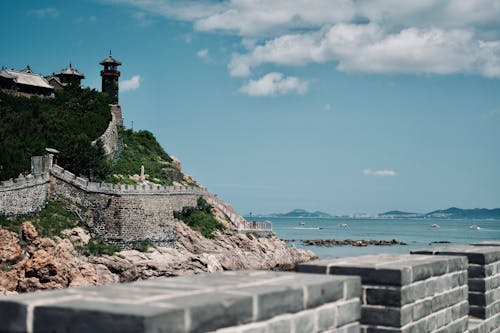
{"points": [[131, 84], [379, 173], [369, 36]]}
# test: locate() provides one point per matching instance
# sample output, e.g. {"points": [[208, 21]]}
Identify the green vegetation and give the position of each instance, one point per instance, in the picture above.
{"points": [[97, 248], [69, 123], [51, 220], [141, 148], [200, 218], [144, 246]]}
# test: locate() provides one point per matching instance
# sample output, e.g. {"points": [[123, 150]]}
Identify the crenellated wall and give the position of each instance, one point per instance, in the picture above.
{"points": [[110, 137], [24, 195], [125, 214]]}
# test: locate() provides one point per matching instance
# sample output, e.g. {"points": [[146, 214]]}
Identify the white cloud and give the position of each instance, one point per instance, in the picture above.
{"points": [[131, 84], [44, 13], [369, 48], [273, 84], [379, 173], [203, 54], [374, 36]]}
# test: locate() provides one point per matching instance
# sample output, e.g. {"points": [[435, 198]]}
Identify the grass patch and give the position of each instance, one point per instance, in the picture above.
{"points": [[97, 248], [51, 220], [144, 246], [141, 148], [200, 218]]}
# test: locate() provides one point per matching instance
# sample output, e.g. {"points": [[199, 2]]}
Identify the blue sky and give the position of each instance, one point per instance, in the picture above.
{"points": [[334, 105]]}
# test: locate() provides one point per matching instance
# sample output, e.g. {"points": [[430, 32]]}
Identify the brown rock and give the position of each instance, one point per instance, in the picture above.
{"points": [[30, 236], [77, 236], [9, 246]]}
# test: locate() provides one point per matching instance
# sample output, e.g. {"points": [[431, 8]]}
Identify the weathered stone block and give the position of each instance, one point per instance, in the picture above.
{"points": [[386, 316], [480, 255], [84, 316]]}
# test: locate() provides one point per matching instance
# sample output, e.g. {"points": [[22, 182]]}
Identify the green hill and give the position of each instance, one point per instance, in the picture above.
{"points": [[301, 213], [69, 123], [458, 213]]}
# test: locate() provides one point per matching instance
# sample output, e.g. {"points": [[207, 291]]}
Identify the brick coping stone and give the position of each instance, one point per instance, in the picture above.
{"points": [[481, 255], [387, 269], [197, 303]]}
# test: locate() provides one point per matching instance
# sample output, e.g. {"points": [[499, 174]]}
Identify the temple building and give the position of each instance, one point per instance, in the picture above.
{"points": [[27, 83], [24, 82], [66, 76], [110, 75]]}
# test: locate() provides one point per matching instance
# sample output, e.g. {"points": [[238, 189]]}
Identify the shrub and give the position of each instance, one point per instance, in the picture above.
{"points": [[97, 248], [49, 222], [144, 245], [200, 218]]}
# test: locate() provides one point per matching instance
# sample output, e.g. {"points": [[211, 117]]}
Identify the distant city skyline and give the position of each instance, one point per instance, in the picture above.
{"points": [[339, 106]]}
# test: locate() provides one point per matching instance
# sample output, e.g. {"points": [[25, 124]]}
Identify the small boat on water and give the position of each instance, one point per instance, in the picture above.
{"points": [[475, 227], [301, 223], [435, 225], [343, 225], [308, 228]]}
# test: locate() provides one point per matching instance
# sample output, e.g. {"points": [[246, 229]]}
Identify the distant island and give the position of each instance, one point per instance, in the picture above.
{"points": [[300, 213], [450, 213]]}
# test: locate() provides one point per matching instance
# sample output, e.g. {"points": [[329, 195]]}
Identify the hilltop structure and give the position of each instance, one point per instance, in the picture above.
{"points": [[110, 75], [24, 82], [67, 76], [27, 83]]}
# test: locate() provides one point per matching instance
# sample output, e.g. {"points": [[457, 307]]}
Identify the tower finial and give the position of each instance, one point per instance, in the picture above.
{"points": [[70, 64], [110, 52]]}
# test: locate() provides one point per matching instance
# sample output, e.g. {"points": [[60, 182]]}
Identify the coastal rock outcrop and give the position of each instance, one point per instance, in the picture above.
{"points": [[46, 263], [54, 263], [358, 243]]}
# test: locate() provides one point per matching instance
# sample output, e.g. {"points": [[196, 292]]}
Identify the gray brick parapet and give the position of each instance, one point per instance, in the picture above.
{"points": [[405, 293], [484, 276], [24, 195], [244, 301]]}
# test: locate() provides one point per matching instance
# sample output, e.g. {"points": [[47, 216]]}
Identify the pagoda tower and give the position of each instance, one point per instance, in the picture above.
{"points": [[110, 75], [70, 75]]}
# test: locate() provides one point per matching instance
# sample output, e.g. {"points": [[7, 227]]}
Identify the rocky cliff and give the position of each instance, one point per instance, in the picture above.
{"points": [[29, 262]]}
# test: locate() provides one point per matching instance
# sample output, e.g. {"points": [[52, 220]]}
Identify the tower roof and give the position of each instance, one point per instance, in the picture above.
{"points": [[110, 61], [70, 71]]}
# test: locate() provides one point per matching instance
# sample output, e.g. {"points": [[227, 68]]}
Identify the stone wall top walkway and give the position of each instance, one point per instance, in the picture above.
{"points": [[198, 303]]}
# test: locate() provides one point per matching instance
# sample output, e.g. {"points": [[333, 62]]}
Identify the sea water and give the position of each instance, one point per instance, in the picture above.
{"points": [[417, 233]]}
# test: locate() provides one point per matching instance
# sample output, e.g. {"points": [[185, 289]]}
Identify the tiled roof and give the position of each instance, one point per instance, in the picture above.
{"points": [[70, 71], [110, 60], [26, 77]]}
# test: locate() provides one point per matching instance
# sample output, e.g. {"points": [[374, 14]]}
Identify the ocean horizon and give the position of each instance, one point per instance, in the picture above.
{"points": [[416, 233]]}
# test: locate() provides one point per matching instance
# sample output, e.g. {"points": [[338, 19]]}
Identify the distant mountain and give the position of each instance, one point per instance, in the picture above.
{"points": [[397, 213], [301, 213], [458, 213]]}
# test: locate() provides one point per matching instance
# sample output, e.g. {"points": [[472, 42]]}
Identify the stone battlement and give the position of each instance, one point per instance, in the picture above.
{"points": [[122, 189], [24, 182]]}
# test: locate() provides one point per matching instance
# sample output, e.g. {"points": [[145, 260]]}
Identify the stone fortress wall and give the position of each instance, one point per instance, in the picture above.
{"points": [[24, 195], [120, 214], [110, 138], [125, 214]]}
